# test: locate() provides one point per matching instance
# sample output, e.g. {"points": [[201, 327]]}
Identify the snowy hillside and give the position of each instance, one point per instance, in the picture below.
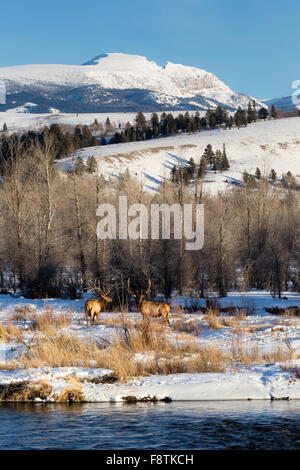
{"points": [[116, 81], [267, 145]]}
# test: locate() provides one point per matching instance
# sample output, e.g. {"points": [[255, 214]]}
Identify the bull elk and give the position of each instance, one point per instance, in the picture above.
{"points": [[147, 308], [93, 307]]}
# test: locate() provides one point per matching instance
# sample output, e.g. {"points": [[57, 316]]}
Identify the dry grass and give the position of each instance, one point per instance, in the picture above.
{"points": [[9, 332], [59, 350], [160, 354], [71, 394], [245, 353], [23, 314], [141, 347], [49, 321], [24, 391], [213, 322]]}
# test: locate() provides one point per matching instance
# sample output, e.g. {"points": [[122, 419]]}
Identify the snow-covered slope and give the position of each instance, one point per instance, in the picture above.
{"points": [[103, 81], [267, 145]]}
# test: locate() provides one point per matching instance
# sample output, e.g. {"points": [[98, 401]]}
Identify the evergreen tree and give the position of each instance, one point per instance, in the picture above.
{"points": [[192, 167], [238, 117], [224, 160], [229, 122], [4, 127], [273, 112], [250, 113], [209, 155], [210, 118], [217, 165], [289, 181], [202, 167], [91, 165], [155, 124], [254, 113], [140, 124], [263, 113], [174, 174], [258, 173], [273, 175], [245, 177], [244, 120], [79, 166]]}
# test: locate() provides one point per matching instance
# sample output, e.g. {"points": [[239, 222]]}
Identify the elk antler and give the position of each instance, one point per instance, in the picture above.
{"points": [[129, 289], [149, 287], [96, 288]]}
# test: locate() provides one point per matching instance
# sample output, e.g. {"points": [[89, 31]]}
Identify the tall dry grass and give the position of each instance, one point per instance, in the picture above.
{"points": [[147, 349], [9, 332], [49, 321]]}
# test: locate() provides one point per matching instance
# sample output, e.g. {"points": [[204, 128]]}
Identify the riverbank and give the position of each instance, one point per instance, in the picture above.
{"points": [[235, 351], [274, 381]]}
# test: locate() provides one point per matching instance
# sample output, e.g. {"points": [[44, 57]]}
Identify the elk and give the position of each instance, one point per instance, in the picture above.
{"points": [[93, 307], [150, 309]]}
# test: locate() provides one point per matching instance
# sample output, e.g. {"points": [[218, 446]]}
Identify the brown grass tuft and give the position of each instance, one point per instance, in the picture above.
{"points": [[9, 332], [72, 394], [48, 321], [24, 391]]}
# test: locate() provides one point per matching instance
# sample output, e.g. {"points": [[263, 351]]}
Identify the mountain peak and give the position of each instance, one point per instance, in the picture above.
{"points": [[130, 77], [117, 59]]}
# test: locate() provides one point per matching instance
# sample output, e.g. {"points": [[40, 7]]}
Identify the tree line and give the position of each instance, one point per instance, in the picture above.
{"points": [[64, 142], [49, 247]]}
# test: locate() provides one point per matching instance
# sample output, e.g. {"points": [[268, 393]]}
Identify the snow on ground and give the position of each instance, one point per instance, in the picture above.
{"points": [[259, 382], [259, 330], [268, 144]]}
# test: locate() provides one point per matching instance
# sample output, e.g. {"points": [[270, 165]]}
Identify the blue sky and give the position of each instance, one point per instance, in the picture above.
{"points": [[252, 45]]}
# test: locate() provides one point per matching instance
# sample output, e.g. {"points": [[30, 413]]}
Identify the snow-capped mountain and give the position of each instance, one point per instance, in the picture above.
{"points": [[284, 104], [116, 82]]}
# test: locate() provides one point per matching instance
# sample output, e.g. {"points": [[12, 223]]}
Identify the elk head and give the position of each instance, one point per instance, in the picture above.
{"points": [[139, 296], [99, 292]]}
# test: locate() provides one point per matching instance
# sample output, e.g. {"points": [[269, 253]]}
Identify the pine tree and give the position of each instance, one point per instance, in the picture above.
{"points": [[273, 175], [263, 113], [79, 166], [238, 117], [202, 167], [192, 167], [209, 155], [91, 165], [254, 115], [217, 165], [224, 161], [258, 173], [155, 124], [229, 122], [210, 118], [140, 123], [250, 112], [4, 127], [174, 174], [244, 119], [273, 112], [245, 177]]}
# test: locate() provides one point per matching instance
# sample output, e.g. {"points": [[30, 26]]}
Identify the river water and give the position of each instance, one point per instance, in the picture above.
{"points": [[177, 425]]}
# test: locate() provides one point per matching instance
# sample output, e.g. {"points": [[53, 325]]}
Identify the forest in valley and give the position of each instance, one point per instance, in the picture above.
{"points": [[48, 241]]}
